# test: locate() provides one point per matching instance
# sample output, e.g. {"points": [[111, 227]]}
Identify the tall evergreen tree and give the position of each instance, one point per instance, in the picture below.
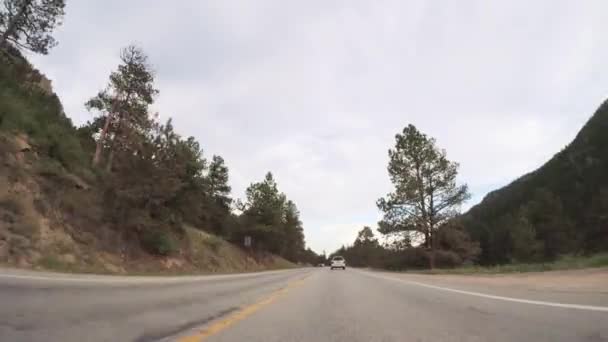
{"points": [[366, 236], [272, 220], [218, 182], [293, 234], [426, 193], [263, 213], [125, 102]]}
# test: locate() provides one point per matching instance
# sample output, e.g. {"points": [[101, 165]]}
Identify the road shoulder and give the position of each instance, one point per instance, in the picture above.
{"points": [[579, 287]]}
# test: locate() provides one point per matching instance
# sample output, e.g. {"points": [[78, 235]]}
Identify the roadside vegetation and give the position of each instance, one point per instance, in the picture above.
{"points": [[124, 191], [553, 218], [566, 262]]}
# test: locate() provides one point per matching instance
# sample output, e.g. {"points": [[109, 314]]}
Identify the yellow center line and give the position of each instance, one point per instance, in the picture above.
{"points": [[241, 314]]}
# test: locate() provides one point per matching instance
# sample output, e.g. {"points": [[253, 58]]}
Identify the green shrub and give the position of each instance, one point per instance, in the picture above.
{"points": [[18, 244], [214, 242], [158, 242], [410, 258], [67, 150], [50, 168], [447, 259], [50, 262], [565, 262], [41, 117], [598, 260]]}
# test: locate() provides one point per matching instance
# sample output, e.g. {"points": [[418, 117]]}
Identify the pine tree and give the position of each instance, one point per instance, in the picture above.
{"points": [[218, 182], [124, 103], [426, 193], [28, 24]]}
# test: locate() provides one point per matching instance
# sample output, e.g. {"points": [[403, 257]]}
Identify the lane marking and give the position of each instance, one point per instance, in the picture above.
{"points": [[485, 295], [241, 314], [137, 279]]}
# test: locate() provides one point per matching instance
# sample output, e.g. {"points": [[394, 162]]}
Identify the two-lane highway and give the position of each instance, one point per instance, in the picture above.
{"points": [[97, 308], [295, 305]]}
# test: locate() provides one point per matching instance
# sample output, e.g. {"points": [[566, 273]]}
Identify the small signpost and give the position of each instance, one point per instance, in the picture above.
{"points": [[247, 241]]}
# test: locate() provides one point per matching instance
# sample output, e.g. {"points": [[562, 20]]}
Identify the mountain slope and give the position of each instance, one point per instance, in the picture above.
{"points": [[53, 213], [560, 208]]}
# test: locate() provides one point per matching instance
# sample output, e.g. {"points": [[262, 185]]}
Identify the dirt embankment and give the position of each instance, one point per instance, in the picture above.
{"points": [[52, 219]]}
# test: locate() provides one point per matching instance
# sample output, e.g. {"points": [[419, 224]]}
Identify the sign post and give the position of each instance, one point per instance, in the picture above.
{"points": [[247, 241]]}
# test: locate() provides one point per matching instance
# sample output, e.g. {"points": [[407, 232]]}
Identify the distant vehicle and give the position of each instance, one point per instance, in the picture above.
{"points": [[321, 265], [338, 262]]}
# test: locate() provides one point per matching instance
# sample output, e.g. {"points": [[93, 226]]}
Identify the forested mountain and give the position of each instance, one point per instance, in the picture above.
{"points": [[560, 208]]}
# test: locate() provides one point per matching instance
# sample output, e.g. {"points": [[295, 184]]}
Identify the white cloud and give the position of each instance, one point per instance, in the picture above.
{"points": [[315, 91]]}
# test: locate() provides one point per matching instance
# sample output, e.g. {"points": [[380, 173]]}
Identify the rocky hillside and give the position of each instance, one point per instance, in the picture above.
{"points": [[49, 219], [53, 209], [561, 208]]}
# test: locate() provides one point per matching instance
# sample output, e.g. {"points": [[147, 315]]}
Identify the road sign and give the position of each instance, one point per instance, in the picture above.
{"points": [[247, 241]]}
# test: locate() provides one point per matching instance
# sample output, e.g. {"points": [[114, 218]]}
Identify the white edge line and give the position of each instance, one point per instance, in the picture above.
{"points": [[484, 295], [183, 279]]}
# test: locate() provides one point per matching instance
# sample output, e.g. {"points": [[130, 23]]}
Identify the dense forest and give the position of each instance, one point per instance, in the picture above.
{"points": [[455, 248], [144, 181]]}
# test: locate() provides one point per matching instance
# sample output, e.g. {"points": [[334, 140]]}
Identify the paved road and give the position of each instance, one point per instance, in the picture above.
{"points": [[293, 305]]}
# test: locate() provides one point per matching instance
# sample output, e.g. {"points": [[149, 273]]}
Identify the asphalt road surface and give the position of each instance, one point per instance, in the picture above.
{"points": [[295, 305]]}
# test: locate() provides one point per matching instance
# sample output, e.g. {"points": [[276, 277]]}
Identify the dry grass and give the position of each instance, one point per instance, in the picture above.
{"points": [[566, 262], [210, 253], [22, 214], [202, 253], [53, 221]]}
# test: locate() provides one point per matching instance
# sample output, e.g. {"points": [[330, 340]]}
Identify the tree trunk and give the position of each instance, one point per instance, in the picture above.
{"points": [[102, 137], [112, 144], [110, 160], [104, 133], [431, 218], [12, 23], [432, 256]]}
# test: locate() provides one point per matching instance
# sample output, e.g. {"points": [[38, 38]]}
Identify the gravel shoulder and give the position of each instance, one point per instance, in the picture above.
{"points": [[583, 286]]}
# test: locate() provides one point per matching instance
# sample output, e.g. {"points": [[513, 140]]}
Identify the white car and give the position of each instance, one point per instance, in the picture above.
{"points": [[338, 262]]}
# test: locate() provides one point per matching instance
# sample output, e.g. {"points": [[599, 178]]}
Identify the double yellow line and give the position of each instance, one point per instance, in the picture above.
{"points": [[241, 314]]}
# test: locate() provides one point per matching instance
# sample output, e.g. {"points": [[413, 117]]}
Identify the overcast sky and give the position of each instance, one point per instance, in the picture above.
{"points": [[315, 91]]}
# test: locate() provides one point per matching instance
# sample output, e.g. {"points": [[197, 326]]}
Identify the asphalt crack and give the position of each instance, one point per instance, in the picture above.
{"points": [[161, 336]]}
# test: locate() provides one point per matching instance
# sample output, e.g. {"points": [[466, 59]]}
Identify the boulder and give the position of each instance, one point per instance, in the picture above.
{"points": [[22, 143]]}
